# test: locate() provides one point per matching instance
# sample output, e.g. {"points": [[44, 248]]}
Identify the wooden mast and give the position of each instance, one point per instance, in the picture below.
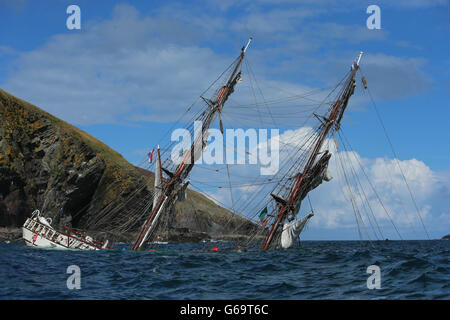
{"points": [[335, 114], [185, 167]]}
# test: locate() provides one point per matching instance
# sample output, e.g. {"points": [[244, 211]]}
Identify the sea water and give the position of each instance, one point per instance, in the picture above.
{"points": [[313, 270]]}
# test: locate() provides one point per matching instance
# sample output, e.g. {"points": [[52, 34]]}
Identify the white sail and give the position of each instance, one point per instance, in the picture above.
{"points": [[156, 197], [158, 175], [153, 223], [291, 231]]}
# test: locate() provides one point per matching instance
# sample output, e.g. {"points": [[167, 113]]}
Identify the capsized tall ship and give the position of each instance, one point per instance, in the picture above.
{"points": [[281, 224]]}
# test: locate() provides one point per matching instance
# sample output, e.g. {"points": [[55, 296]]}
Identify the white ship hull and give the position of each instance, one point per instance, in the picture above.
{"points": [[37, 232]]}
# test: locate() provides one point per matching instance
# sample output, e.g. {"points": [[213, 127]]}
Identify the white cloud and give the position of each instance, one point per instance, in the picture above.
{"points": [[387, 193], [116, 68]]}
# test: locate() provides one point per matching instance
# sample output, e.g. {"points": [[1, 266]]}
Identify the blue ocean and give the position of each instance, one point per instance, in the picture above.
{"points": [[313, 270]]}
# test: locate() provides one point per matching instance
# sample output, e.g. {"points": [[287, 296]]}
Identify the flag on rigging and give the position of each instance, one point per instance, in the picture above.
{"points": [[262, 218], [263, 214], [150, 156]]}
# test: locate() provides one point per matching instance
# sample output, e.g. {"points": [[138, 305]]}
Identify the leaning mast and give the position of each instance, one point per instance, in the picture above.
{"points": [[175, 182], [334, 119]]}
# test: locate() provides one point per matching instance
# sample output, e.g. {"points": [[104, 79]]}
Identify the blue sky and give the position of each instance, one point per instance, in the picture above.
{"points": [[135, 66]]}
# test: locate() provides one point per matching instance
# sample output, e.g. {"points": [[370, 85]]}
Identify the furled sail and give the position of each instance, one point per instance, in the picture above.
{"points": [[182, 193], [291, 231], [312, 179], [199, 145]]}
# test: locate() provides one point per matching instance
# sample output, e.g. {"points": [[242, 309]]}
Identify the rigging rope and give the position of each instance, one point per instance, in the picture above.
{"points": [[397, 161]]}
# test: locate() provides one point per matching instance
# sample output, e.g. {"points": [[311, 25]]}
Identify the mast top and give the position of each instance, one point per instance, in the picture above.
{"points": [[246, 46], [359, 58]]}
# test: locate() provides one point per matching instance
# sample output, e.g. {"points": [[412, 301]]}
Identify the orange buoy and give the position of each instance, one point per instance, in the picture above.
{"points": [[215, 249]]}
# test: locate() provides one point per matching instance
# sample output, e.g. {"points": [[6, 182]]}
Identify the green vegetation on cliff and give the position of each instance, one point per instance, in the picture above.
{"points": [[46, 163]]}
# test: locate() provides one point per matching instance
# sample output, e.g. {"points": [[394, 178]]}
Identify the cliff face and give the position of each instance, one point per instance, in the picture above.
{"points": [[48, 164], [45, 163]]}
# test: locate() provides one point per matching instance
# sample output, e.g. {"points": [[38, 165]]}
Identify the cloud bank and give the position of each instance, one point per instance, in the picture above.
{"points": [[133, 68]]}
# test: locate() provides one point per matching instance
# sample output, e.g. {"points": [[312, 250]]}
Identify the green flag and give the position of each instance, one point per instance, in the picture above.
{"points": [[263, 213]]}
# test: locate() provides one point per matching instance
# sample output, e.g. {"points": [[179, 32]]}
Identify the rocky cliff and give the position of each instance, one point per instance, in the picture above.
{"points": [[48, 164]]}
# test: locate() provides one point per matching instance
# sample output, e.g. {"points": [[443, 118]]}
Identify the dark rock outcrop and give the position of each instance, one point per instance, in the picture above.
{"points": [[10, 234], [48, 164]]}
